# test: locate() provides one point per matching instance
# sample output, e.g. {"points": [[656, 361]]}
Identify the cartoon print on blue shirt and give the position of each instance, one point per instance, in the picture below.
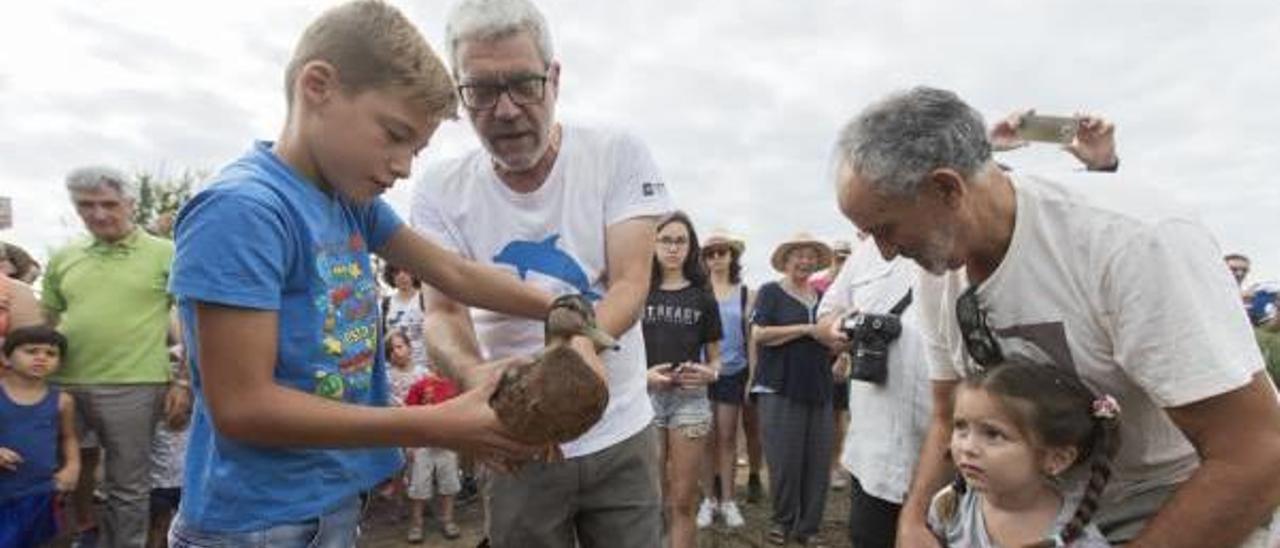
{"points": [[544, 258], [347, 352], [329, 385]]}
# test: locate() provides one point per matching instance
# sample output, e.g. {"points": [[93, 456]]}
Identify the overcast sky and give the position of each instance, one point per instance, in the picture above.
{"points": [[740, 100]]}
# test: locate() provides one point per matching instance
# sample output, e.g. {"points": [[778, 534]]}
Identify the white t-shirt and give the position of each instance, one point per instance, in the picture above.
{"points": [[887, 422], [407, 315], [400, 381], [1108, 280], [553, 237]]}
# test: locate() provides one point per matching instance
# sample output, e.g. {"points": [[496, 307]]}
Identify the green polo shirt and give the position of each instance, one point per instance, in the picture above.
{"points": [[113, 304], [1269, 342]]}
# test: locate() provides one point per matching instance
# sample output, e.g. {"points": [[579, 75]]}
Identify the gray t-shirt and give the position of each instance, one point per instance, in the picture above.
{"points": [[967, 528]]}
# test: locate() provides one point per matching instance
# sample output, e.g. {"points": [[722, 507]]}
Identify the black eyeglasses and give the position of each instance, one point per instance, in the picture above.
{"points": [[716, 252], [982, 345], [673, 242], [524, 90]]}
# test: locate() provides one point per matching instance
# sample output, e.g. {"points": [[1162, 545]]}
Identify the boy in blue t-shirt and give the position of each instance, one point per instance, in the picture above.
{"points": [[39, 451], [279, 304]]}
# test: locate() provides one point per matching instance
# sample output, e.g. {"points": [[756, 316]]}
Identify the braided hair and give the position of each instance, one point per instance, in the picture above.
{"points": [[1106, 441], [1059, 411]]}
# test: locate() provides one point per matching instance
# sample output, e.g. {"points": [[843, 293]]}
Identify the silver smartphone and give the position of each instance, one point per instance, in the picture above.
{"points": [[1047, 129]]}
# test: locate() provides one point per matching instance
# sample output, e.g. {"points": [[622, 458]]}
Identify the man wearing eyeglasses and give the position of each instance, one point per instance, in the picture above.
{"points": [[1103, 279], [571, 210]]}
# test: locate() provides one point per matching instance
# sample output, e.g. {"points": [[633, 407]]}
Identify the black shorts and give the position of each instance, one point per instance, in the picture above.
{"points": [[730, 389], [165, 500], [840, 396]]}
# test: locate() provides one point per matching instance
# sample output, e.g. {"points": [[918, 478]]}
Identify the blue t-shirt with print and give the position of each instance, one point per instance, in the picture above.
{"points": [[262, 237]]}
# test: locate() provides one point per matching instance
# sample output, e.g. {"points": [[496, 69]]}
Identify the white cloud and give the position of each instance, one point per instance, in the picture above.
{"points": [[739, 100]]}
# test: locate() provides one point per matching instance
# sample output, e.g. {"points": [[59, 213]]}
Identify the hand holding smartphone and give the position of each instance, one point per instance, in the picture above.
{"points": [[1047, 129]]}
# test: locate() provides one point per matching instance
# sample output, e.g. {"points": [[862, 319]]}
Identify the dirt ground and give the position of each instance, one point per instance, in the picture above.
{"points": [[386, 525]]}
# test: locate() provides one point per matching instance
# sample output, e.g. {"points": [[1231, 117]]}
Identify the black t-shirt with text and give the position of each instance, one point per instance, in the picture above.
{"points": [[677, 323]]}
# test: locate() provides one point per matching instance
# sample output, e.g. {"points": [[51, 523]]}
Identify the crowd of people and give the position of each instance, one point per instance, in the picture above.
{"points": [[996, 359]]}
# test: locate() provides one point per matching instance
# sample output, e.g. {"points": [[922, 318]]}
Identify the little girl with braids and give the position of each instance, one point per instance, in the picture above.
{"points": [[1019, 436]]}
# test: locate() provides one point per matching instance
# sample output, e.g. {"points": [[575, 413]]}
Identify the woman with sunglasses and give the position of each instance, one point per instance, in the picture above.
{"points": [[794, 382], [721, 255], [682, 342]]}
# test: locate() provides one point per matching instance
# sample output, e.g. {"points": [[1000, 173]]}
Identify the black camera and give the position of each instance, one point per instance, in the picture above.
{"points": [[870, 335]]}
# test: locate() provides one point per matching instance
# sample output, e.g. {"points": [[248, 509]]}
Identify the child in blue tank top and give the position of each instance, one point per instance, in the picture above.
{"points": [[39, 454]]}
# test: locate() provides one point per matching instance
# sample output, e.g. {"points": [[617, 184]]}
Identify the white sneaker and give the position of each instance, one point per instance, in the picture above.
{"points": [[706, 513], [732, 517]]}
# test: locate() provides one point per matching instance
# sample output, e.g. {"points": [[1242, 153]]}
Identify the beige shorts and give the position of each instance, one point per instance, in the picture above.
{"points": [[433, 472]]}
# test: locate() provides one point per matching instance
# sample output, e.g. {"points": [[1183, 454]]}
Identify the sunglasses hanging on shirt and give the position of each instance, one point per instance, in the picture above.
{"points": [[979, 341]]}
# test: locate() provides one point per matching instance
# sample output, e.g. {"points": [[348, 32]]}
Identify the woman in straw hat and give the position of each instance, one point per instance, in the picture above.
{"points": [[794, 383], [722, 255], [681, 339]]}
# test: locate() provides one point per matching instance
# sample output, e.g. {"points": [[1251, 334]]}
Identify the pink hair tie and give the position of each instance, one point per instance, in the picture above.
{"points": [[1106, 407]]}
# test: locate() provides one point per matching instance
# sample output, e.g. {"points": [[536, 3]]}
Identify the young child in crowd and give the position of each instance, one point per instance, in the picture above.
{"points": [[1021, 434], [168, 450], [279, 305], [432, 470], [39, 453], [402, 373]]}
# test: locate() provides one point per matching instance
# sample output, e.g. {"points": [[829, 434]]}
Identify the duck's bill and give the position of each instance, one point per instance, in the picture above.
{"points": [[601, 339]]}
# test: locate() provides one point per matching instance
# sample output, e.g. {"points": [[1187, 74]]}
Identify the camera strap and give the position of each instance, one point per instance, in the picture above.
{"points": [[902, 305]]}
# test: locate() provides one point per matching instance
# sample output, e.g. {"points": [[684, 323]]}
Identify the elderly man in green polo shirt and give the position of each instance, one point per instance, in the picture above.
{"points": [[107, 294]]}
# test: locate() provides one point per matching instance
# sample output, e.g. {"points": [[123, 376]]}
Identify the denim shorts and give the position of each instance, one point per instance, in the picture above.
{"points": [[335, 529], [685, 409]]}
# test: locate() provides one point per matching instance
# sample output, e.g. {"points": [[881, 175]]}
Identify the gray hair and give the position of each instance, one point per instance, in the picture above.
{"points": [[894, 143], [95, 177], [488, 20]]}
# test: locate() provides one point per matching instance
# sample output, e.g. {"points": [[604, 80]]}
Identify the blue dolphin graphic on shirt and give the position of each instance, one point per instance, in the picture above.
{"points": [[544, 258]]}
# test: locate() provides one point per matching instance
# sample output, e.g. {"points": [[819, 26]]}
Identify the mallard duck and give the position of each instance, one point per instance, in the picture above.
{"points": [[558, 396]]}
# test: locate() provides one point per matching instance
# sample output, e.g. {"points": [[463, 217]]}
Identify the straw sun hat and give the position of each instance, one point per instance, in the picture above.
{"points": [[842, 247], [722, 238], [802, 239]]}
